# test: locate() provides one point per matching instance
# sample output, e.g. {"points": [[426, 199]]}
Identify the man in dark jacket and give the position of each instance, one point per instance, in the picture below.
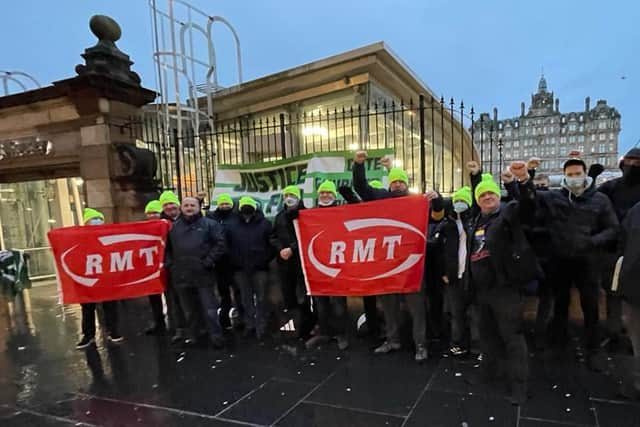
{"points": [[629, 290], [581, 222], [398, 187], [226, 217], [453, 245], [498, 266], [296, 303], [624, 193], [194, 246], [250, 253], [175, 313], [332, 311]]}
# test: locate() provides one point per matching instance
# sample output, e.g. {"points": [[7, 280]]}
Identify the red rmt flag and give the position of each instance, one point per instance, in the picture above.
{"points": [[110, 262], [364, 249]]}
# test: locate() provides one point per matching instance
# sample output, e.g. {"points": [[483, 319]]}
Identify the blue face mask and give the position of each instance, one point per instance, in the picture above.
{"points": [[460, 207], [95, 221]]}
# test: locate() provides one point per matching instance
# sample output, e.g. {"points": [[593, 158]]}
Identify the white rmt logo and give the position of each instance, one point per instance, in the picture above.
{"points": [[364, 250], [117, 261]]}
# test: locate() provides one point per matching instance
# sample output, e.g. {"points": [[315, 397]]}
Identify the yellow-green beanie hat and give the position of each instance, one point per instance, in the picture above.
{"points": [[487, 185], [88, 214], [292, 189], [376, 184], [328, 187], [169, 197], [397, 174], [153, 206], [247, 201], [463, 194], [224, 198]]}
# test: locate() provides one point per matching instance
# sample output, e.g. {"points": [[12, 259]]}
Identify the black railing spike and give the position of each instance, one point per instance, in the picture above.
{"points": [[462, 105], [442, 100], [472, 112], [451, 102]]}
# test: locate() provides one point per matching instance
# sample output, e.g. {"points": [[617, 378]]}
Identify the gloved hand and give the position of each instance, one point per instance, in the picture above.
{"points": [[595, 170]]}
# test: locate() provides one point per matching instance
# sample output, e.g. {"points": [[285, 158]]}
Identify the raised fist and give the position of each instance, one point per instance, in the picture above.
{"points": [[386, 162], [507, 176], [360, 157], [473, 167], [533, 163], [519, 170]]}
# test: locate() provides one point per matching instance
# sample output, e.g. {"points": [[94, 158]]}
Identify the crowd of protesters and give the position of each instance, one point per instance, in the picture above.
{"points": [[489, 246]]}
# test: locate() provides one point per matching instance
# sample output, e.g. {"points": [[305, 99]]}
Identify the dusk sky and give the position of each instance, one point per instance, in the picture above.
{"points": [[487, 53]]}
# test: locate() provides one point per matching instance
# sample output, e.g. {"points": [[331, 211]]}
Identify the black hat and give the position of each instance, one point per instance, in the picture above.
{"points": [[634, 153], [574, 161]]}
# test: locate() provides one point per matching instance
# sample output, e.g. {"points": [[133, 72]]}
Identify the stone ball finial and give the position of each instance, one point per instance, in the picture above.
{"points": [[105, 28]]}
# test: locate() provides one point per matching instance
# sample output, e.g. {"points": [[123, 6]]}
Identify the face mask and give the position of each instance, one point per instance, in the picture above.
{"points": [[326, 202], [225, 209], [631, 172], [460, 207], [247, 210], [291, 202], [95, 221], [575, 183]]}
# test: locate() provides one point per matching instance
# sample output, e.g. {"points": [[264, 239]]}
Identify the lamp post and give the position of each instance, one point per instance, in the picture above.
{"points": [[500, 146]]}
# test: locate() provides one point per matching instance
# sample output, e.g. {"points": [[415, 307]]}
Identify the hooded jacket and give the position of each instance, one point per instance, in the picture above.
{"points": [[194, 246], [624, 193], [249, 242], [578, 225]]}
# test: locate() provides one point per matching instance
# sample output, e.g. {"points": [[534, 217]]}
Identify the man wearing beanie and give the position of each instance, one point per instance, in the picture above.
{"points": [[499, 264], [415, 302], [332, 311], [225, 215], [153, 210], [581, 223], [250, 253], [453, 241], [171, 212], [297, 304], [624, 193], [194, 246], [109, 308]]}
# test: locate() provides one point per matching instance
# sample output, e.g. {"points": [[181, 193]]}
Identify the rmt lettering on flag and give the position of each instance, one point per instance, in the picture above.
{"points": [[364, 249], [108, 262]]}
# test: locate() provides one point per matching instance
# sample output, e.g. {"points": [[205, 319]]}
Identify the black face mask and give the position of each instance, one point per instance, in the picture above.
{"points": [[247, 210], [631, 173]]}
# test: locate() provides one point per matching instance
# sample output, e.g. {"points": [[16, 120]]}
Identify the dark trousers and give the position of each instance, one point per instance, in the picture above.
{"points": [[631, 317], [155, 301], [175, 311], [226, 284], [371, 313], [501, 333], [462, 315], [332, 315], [434, 291], [200, 303], [545, 309], [110, 311], [583, 274], [294, 294], [392, 315], [253, 286], [614, 302]]}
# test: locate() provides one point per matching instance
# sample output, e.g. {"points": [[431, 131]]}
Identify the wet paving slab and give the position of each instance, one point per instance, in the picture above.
{"points": [[44, 381]]}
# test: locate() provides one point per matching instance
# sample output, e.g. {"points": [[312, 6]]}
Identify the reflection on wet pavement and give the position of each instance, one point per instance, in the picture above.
{"points": [[44, 381]]}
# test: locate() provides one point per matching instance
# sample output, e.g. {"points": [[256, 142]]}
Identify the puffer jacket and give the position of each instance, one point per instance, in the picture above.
{"points": [[249, 243], [629, 247]]}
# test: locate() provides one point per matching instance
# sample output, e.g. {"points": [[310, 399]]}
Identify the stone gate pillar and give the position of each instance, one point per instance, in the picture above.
{"points": [[107, 93]]}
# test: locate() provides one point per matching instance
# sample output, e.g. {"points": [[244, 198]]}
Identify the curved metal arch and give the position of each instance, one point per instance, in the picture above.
{"points": [[222, 20], [7, 76]]}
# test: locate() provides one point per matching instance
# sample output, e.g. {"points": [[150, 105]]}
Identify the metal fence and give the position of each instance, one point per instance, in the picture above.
{"points": [[431, 139]]}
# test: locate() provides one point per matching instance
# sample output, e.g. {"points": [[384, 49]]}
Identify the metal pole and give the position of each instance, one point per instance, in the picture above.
{"points": [[283, 145], [176, 146], [423, 163]]}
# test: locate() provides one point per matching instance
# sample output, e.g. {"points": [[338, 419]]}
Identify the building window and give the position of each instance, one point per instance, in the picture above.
{"points": [[563, 140], [508, 132], [580, 148], [601, 148], [580, 138], [593, 137], [572, 139], [611, 147], [572, 127], [612, 135], [516, 124], [602, 125], [593, 148], [602, 136], [581, 117]]}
